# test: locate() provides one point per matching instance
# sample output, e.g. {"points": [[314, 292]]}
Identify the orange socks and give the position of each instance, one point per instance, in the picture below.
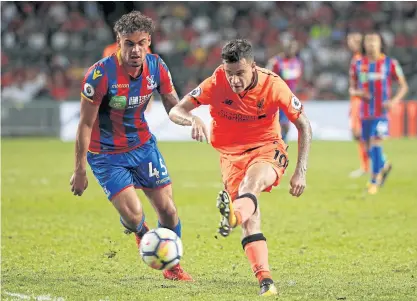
{"points": [[363, 156], [256, 251]]}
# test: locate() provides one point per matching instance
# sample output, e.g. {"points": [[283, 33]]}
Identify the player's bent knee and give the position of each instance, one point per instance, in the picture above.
{"points": [[375, 142], [252, 184], [169, 210], [356, 137], [256, 185]]}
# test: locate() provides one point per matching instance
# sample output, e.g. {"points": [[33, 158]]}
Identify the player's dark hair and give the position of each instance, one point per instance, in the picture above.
{"points": [[383, 44], [132, 22], [237, 49], [353, 31]]}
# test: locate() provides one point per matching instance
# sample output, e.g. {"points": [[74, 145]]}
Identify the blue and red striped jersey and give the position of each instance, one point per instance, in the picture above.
{"points": [[375, 77], [289, 69], [120, 125]]}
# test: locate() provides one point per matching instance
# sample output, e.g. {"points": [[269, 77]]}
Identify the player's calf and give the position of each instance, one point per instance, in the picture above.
{"points": [[256, 251]]}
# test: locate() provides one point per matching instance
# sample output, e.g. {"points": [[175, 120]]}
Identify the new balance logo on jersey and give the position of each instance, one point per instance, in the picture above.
{"points": [[151, 82], [228, 102]]}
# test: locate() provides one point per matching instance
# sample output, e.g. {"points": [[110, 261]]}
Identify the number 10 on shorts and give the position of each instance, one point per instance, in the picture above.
{"points": [[154, 172], [281, 159]]}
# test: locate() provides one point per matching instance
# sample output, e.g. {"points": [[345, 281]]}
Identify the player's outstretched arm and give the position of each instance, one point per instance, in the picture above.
{"points": [[181, 114], [88, 115], [170, 100], [402, 86], [298, 180]]}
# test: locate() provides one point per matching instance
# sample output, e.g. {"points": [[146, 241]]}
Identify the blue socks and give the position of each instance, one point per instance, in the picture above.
{"points": [[284, 136], [378, 161], [139, 229], [176, 229]]}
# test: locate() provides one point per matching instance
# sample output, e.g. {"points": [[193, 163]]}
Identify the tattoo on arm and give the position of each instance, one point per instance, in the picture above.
{"points": [[181, 120], [181, 113], [304, 141], [170, 100]]}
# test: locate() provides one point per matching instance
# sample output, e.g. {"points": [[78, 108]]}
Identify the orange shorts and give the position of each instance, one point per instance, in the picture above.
{"points": [[355, 116], [234, 167]]}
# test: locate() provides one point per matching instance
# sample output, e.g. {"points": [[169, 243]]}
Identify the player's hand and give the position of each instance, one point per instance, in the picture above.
{"points": [[297, 183], [365, 95], [388, 105], [199, 130], [79, 182]]}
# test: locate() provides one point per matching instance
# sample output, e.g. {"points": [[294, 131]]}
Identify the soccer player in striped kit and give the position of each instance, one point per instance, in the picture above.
{"points": [[113, 135], [289, 68], [354, 42], [371, 79]]}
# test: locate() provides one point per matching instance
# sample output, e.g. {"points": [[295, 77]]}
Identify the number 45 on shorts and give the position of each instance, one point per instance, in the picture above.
{"points": [[154, 172]]}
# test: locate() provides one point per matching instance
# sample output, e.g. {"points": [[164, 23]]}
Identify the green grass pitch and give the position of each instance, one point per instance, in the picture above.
{"points": [[333, 243]]}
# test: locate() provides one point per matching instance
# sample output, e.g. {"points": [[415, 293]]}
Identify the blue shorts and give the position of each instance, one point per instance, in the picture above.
{"points": [[143, 167], [283, 119], [374, 128]]}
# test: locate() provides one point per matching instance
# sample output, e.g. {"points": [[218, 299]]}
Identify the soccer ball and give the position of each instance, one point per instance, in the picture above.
{"points": [[161, 249]]}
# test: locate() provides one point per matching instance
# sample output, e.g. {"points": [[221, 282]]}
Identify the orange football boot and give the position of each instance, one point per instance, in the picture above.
{"points": [[138, 236], [177, 273]]}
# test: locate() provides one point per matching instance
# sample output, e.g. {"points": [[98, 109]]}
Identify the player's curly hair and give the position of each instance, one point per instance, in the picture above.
{"points": [[132, 22], [237, 49]]}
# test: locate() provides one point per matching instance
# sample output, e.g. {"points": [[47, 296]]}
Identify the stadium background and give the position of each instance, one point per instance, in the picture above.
{"points": [[335, 243], [47, 47]]}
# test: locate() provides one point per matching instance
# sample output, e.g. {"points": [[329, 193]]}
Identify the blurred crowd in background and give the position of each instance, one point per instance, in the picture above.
{"points": [[48, 46]]}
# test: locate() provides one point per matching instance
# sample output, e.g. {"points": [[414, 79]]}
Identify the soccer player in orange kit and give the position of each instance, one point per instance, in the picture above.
{"points": [[245, 101], [354, 42]]}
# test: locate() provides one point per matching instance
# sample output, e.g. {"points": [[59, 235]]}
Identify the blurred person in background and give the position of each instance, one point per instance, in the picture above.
{"points": [[288, 66], [354, 43], [371, 79], [59, 86], [110, 49], [27, 84]]}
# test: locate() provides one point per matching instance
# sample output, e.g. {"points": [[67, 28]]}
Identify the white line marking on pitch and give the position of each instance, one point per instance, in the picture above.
{"points": [[38, 298]]}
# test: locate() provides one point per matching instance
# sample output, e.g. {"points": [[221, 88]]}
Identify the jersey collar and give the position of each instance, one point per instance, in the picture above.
{"points": [[251, 86]]}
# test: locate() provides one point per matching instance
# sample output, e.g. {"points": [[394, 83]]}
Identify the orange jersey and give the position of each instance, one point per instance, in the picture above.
{"points": [[355, 100], [110, 49], [246, 121]]}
